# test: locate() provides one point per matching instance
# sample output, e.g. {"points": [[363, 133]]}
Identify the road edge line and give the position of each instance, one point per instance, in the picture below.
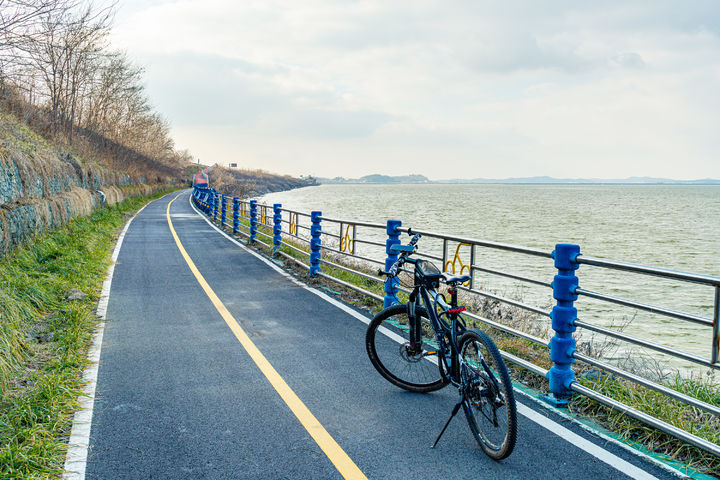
{"points": [[79, 441]]}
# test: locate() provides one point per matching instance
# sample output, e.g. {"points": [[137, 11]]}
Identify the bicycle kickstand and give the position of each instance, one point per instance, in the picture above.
{"points": [[455, 409]]}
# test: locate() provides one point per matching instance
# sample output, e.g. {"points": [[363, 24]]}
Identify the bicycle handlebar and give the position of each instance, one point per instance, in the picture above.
{"points": [[392, 272]]}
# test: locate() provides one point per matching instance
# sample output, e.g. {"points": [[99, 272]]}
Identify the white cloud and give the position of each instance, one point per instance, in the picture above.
{"points": [[607, 89]]}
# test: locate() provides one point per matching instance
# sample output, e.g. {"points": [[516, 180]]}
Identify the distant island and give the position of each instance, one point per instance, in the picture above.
{"points": [[416, 178], [376, 178]]}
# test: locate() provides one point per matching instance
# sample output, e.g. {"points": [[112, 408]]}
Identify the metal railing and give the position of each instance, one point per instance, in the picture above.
{"points": [[356, 247]]}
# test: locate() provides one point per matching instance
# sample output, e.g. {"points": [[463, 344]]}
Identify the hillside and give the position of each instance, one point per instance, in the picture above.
{"points": [[42, 185], [248, 183]]}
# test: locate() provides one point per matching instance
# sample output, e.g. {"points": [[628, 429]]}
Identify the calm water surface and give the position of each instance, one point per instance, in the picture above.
{"points": [[675, 227]]}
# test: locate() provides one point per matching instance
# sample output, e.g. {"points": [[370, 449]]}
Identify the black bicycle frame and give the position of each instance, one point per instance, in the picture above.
{"points": [[418, 297]]}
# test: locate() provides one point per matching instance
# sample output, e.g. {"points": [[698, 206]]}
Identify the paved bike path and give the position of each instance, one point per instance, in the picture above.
{"points": [[178, 396]]}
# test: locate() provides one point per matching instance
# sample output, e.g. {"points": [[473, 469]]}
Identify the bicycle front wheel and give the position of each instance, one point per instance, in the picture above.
{"points": [[490, 404], [388, 346]]}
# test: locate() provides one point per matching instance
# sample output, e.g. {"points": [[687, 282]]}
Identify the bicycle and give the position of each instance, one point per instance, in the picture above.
{"points": [[424, 345]]}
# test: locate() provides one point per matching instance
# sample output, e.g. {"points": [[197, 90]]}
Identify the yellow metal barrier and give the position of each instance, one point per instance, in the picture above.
{"points": [[293, 223], [451, 264], [347, 243]]}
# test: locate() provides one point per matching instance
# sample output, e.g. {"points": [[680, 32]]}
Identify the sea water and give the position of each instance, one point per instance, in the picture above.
{"points": [[676, 227]]}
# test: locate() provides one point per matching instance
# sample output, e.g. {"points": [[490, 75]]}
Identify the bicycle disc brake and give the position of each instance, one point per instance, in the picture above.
{"points": [[409, 354]]}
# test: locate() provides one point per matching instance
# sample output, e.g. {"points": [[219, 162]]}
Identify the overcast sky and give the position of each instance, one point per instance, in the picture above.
{"points": [[448, 89]]}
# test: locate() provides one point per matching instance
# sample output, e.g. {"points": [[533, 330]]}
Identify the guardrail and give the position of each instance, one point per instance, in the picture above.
{"points": [[368, 244]]}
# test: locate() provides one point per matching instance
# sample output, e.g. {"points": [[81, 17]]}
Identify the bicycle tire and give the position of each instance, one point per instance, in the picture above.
{"points": [[489, 406], [386, 341]]}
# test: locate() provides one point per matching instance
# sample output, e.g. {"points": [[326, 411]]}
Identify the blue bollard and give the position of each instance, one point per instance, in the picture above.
{"points": [[563, 315], [315, 243], [223, 213], [253, 221], [277, 227], [236, 215], [391, 284]]}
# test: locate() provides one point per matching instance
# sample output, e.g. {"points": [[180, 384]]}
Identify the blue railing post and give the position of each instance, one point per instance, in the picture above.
{"points": [[215, 205], [391, 284], [564, 314], [277, 227], [223, 208], [253, 220], [236, 215], [315, 243]]}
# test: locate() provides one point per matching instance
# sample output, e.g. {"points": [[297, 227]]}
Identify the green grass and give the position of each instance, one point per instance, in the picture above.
{"points": [[698, 422], [44, 338]]}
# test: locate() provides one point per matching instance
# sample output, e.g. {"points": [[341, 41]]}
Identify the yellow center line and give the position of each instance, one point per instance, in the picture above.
{"points": [[334, 452]]}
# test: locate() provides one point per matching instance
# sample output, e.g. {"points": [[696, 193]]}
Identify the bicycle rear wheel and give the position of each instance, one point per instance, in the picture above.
{"points": [[490, 404], [388, 346]]}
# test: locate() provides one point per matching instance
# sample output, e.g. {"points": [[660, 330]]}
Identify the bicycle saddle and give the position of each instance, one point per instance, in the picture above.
{"points": [[455, 279]]}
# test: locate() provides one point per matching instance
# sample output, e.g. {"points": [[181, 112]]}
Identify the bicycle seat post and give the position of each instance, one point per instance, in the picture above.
{"points": [[453, 296]]}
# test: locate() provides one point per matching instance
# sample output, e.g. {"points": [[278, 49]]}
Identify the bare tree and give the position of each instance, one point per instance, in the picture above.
{"points": [[19, 20], [62, 55], [55, 53]]}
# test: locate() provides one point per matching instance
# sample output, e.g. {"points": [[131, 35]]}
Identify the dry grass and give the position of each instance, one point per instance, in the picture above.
{"points": [[228, 184], [100, 156], [42, 188]]}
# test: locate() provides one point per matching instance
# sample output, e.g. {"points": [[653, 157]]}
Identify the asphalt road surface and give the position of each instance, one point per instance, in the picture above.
{"points": [[178, 395]]}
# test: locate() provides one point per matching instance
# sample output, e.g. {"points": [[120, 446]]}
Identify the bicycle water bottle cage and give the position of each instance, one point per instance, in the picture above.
{"points": [[427, 274]]}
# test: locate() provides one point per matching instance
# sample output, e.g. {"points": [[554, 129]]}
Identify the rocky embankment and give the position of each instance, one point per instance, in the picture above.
{"points": [[42, 187], [249, 183]]}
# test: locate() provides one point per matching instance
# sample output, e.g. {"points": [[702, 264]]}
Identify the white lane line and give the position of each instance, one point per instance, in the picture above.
{"points": [[76, 458], [607, 439], [598, 452], [595, 450]]}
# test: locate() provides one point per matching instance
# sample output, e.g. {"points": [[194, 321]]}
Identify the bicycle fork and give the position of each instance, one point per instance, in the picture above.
{"points": [[416, 342]]}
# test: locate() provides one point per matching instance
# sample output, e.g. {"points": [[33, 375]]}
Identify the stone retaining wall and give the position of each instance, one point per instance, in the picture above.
{"points": [[42, 188]]}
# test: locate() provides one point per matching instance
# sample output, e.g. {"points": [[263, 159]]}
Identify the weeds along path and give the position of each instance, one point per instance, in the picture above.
{"points": [[49, 292], [179, 396]]}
